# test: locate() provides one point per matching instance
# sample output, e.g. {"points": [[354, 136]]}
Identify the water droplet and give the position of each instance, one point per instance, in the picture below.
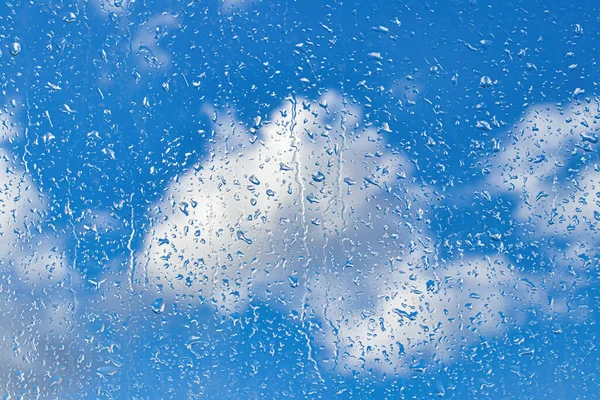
{"points": [[158, 305], [293, 281], [495, 235], [529, 283], [556, 328], [485, 82], [70, 17], [430, 285], [14, 48], [418, 367], [318, 177], [254, 180], [440, 391], [107, 370], [589, 137], [483, 125], [381, 29], [376, 56], [312, 198], [109, 153], [385, 127], [242, 236], [284, 167], [527, 351], [405, 314]]}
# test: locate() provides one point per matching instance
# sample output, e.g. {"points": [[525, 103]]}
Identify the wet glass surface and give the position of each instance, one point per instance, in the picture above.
{"points": [[254, 199]]}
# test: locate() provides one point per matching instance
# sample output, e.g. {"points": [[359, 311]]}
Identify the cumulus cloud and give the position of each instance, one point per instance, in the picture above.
{"points": [[548, 163], [315, 213]]}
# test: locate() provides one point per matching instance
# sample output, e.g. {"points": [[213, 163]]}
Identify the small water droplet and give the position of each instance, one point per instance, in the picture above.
{"points": [[312, 198], [70, 17], [284, 167], [495, 235], [385, 127], [440, 391], [556, 328], [158, 305], [318, 177], [254, 180], [485, 82], [242, 236], [411, 316], [15, 48], [293, 281], [107, 370]]}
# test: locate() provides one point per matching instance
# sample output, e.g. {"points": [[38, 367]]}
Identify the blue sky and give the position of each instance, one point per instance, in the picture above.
{"points": [[299, 199]]}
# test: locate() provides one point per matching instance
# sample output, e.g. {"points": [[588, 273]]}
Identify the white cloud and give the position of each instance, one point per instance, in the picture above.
{"points": [[21, 209], [36, 305], [316, 214], [433, 311], [545, 168]]}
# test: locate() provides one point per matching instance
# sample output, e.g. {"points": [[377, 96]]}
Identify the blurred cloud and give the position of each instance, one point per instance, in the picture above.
{"points": [[549, 164], [36, 305], [318, 215]]}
